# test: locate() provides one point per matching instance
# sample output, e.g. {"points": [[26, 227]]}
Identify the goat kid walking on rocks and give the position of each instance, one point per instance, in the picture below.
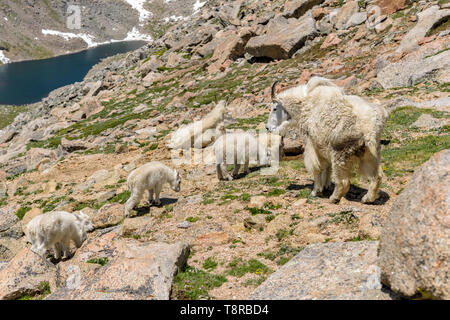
{"points": [[55, 230], [151, 176]]}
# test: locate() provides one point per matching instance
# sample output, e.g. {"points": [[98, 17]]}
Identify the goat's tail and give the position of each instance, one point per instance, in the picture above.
{"points": [[315, 82]]}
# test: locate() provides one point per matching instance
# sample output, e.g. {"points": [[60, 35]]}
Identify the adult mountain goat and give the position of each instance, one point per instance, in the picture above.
{"points": [[339, 131]]}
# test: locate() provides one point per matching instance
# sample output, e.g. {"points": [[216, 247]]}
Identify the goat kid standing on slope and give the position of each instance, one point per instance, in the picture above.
{"points": [[151, 176]]}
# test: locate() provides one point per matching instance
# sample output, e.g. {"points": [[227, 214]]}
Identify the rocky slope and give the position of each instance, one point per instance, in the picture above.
{"points": [[74, 150], [40, 29]]}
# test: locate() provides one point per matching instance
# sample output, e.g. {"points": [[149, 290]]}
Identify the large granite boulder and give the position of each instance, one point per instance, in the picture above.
{"points": [[24, 274], [414, 70], [415, 241], [230, 46], [328, 271], [390, 6], [108, 267], [427, 20], [297, 8], [283, 43]]}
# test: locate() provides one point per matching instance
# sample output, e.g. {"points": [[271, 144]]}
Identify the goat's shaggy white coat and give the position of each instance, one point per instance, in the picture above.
{"points": [[151, 176], [185, 136], [244, 148], [55, 230], [338, 131]]}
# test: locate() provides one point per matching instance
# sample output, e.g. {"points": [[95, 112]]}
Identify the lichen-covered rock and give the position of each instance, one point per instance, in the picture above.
{"points": [[327, 271], [120, 269], [415, 241], [297, 8], [427, 19], [109, 215], [390, 6], [23, 274], [7, 217], [414, 70], [9, 247], [282, 44]]}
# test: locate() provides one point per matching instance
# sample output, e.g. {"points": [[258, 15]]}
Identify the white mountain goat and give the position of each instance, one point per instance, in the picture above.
{"points": [[338, 131], [55, 230], [242, 147], [185, 136], [151, 176]]}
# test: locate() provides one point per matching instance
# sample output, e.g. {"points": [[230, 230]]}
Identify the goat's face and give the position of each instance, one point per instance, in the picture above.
{"points": [[175, 185], [277, 116], [278, 113], [85, 222]]}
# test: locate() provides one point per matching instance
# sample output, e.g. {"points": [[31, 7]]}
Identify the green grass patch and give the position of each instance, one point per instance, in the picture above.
{"points": [[346, 217], [194, 284], [20, 213], [43, 291], [238, 267], [210, 264], [101, 261]]}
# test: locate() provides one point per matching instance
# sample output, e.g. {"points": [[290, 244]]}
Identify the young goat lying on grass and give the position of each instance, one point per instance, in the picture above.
{"points": [[151, 176], [55, 230], [185, 136]]}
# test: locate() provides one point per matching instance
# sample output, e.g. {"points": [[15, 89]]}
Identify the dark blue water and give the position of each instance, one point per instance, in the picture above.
{"points": [[30, 81]]}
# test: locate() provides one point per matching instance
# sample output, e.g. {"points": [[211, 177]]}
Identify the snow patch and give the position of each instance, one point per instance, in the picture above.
{"points": [[3, 59], [136, 35], [67, 35], [139, 6], [175, 18], [198, 4], [133, 35]]}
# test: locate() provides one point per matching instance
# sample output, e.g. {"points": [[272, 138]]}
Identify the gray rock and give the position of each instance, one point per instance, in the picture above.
{"points": [[327, 271], [9, 247], [415, 242], [134, 270], [284, 43], [74, 145], [297, 8], [345, 13], [7, 217], [184, 225], [36, 155], [356, 19], [427, 121], [23, 274], [427, 19], [414, 70]]}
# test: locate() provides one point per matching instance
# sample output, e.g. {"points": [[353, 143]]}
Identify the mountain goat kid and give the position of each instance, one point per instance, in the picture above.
{"points": [[241, 147], [185, 136], [151, 176], [55, 230], [339, 131]]}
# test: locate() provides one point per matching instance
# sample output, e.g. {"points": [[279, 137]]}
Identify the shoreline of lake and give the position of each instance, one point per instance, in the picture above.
{"points": [[29, 81], [74, 52]]}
